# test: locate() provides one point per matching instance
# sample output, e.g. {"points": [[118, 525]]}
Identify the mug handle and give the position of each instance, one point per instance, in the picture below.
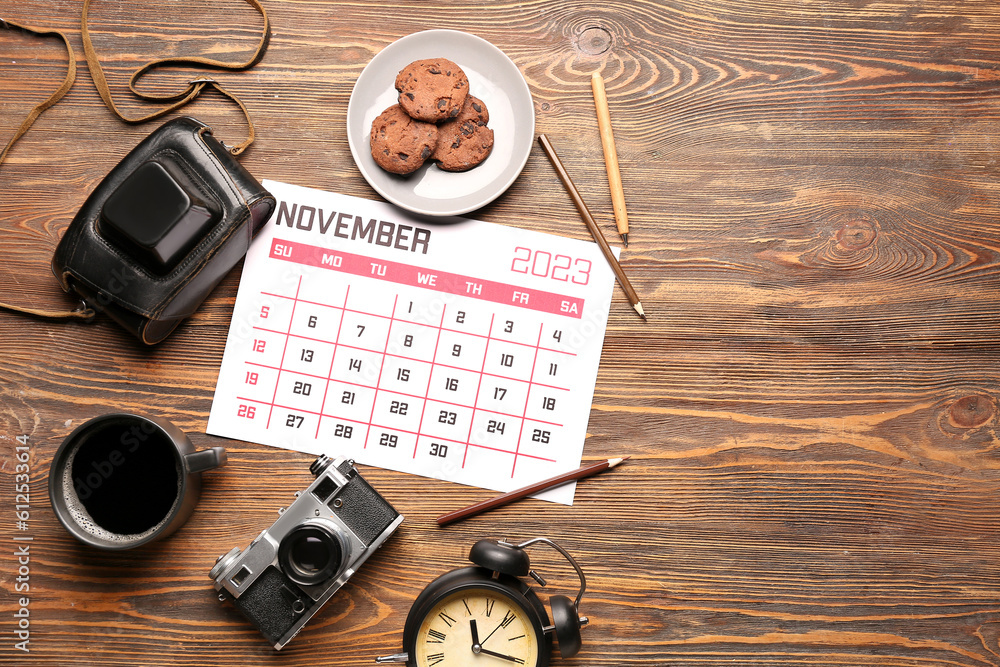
{"points": [[205, 459]]}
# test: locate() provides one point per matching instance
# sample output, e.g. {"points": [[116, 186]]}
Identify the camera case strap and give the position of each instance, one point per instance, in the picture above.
{"points": [[171, 219], [194, 88], [84, 312], [56, 95]]}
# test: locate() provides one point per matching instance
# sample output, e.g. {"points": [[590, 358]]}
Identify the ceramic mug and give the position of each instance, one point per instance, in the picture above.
{"points": [[122, 480]]}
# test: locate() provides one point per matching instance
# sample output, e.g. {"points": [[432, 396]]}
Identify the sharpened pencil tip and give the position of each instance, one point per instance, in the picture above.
{"points": [[613, 462], [625, 240], [638, 308]]}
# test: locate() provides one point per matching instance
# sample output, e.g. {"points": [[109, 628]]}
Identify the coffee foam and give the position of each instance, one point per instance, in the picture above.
{"points": [[81, 517]]}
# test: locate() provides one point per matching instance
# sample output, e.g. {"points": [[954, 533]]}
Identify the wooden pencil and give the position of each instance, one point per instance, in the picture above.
{"points": [[610, 155], [595, 231], [538, 487]]}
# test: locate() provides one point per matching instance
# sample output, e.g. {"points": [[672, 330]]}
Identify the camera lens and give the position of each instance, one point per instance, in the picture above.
{"points": [[310, 554]]}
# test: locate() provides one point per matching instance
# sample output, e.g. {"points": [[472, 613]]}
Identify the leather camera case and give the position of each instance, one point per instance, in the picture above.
{"points": [[162, 229]]}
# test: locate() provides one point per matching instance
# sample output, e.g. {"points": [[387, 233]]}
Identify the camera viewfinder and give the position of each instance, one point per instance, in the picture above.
{"points": [[326, 488]]}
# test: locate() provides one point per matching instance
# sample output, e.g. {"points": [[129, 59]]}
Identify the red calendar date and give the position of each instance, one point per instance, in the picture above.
{"points": [[548, 265]]}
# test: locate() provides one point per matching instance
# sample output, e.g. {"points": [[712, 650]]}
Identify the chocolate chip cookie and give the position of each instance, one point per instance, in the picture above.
{"points": [[399, 143], [432, 90], [464, 141]]}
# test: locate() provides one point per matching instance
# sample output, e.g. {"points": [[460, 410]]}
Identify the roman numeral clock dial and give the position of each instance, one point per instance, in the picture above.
{"points": [[487, 616], [476, 627]]}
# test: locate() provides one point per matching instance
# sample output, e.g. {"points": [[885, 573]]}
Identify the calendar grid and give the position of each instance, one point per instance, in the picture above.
{"points": [[527, 398], [329, 373], [406, 358], [409, 432], [479, 386], [430, 376], [372, 422], [291, 320], [381, 368], [386, 317], [398, 393]]}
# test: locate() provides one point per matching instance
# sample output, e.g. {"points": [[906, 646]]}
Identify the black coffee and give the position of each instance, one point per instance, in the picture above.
{"points": [[126, 477]]}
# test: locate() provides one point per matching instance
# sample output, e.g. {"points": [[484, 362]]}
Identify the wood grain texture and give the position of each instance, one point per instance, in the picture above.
{"points": [[811, 409]]}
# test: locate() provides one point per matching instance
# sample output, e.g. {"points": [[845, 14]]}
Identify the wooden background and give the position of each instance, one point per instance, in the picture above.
{"points": [[812, 407]]}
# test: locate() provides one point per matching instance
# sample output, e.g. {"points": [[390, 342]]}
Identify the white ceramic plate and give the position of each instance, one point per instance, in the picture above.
{"points": [[493, 78]]}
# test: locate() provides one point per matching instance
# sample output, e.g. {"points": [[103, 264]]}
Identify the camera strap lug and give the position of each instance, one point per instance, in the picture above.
{"points": [[82, 312]]}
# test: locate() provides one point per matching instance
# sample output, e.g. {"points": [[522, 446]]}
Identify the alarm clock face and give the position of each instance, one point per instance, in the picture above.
{"points": [[479, 625]]}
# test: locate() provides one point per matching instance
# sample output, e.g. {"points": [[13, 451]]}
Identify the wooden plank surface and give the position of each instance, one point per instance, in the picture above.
{"points": [[811, 408]]}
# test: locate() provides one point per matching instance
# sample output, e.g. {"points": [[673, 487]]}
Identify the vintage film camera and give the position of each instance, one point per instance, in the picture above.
{"points": [[291, 569]]}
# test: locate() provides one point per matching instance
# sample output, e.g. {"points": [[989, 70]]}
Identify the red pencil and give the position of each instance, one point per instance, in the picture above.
{"points": [[558, 480]]}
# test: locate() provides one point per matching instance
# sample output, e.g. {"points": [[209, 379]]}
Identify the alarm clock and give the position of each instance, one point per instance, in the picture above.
{"points": [[487, 615]]}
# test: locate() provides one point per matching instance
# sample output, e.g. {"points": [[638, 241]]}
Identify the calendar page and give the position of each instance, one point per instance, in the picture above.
{"points": [[460, 350]]}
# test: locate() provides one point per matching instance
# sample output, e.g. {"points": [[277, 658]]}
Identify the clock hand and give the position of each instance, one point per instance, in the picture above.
{"points": [[476, 646], [503, 623], [500, 655]]}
